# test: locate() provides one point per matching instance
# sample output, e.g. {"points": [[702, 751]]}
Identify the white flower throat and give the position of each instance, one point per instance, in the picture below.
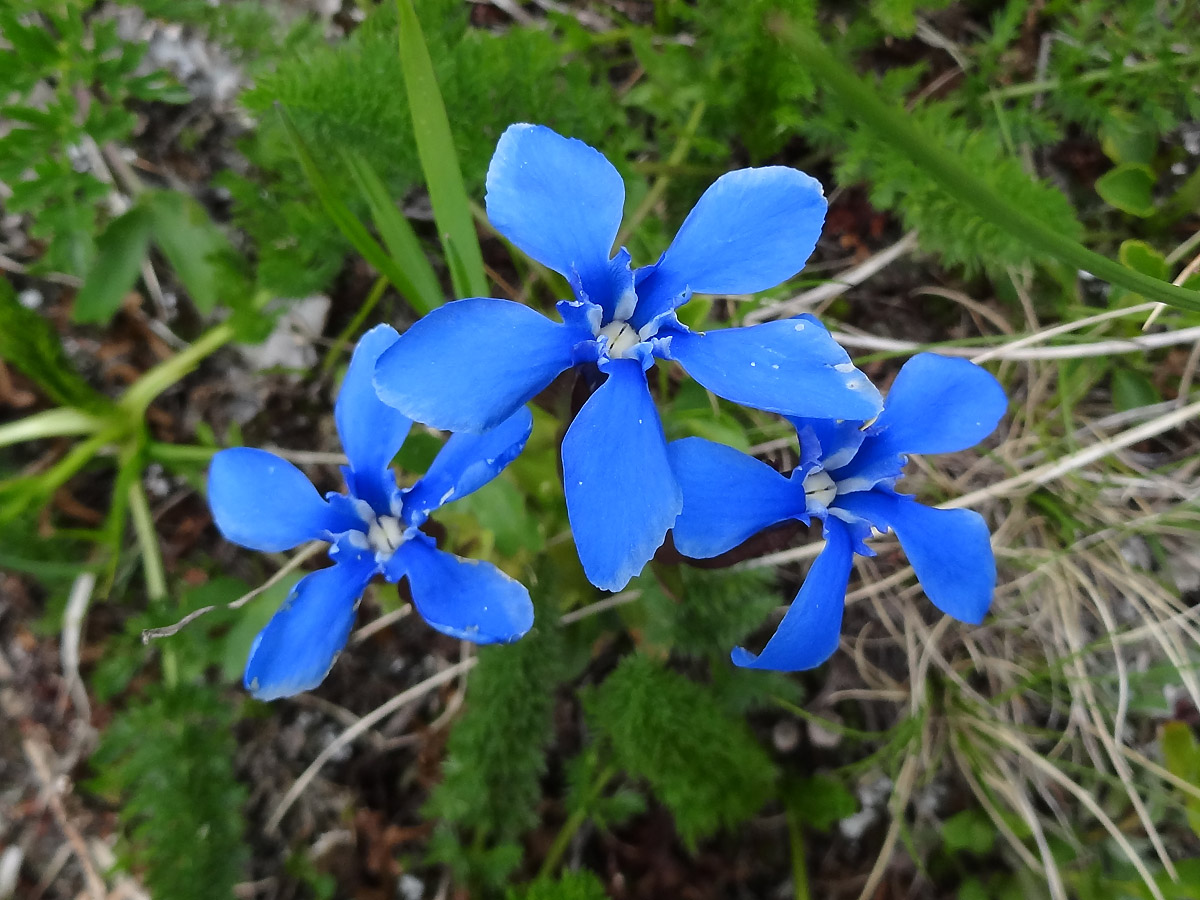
{"points": [[819, 488], [383, 534], [622, 336]]}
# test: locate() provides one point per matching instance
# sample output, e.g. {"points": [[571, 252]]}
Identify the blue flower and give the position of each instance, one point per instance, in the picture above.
{"points": [[265, 503], [472, 363], [846, 478]]}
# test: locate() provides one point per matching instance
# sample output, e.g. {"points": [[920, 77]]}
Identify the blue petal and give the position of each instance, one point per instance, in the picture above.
{"points": [[949, 549], [752, 229], [469, 365], [938, 404], [728, 497], [809, 632], [793, 367], [466, 463], [830, 442], [621, 494], [371, 431], [465, 598], [559, 201], [265, 503], [297, 648]]}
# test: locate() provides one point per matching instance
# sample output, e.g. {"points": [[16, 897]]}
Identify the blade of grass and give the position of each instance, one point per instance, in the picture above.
{"points": [[346, 221], [439, 160], [143, 527], [401, 240], [942, 166]]}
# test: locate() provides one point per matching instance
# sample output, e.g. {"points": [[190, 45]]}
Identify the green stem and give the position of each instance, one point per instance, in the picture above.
{"points": [[943, 167], [143, 391], [78, 456], [678, 155], [1049, 84], [171, 453], [143, 527], [335, 351], [50, 423], [574, 822], [799, 856]]}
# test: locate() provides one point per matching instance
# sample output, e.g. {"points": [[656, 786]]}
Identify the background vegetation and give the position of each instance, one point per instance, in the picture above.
{"points": [[205, 205]]}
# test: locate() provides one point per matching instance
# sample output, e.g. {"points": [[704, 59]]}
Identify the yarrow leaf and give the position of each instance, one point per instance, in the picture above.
{"points": [[702, 763]]}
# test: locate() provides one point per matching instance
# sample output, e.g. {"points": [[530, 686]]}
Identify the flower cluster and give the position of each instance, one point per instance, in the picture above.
{"points": [[469, 367]]}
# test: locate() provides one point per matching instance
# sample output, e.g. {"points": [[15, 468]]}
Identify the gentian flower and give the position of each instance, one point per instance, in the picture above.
{"points": [[265, 503], [846, 478], [469, 364]]}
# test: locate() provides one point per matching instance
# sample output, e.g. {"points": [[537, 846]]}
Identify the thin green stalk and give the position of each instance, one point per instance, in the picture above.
{"points": [[678, 155], [59, 422], [172, 453], [1030, 88], [574, 822], [335, 351], [143, 528], [143, 391], [77, 457], [799, 859], [943, 167]]}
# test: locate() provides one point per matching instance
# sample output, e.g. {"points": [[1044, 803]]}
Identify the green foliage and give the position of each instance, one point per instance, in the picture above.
{"points": [[120, 250], [572, 886], [1090, 64], [68, 79], [496, 756], [488, 81], [439, 161], [899, 17], [820, 801], [703, 763], [754, 94], [947, 226], [970, 830], [247, 29], [586, 796], [167, 760], [1129, 188], [1181, 754], [29, 343], [704, 612]]}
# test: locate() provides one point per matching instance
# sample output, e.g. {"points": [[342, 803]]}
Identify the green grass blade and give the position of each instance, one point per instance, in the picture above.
{"points": [[342, 216], [398, 236], [439, 160], [943, 167]]}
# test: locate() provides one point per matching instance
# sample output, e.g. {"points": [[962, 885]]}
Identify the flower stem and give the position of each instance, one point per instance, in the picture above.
{"points": [[574, 822], [158, 379], [143, 528], [799, 860], [945, 169], [50, 423]]}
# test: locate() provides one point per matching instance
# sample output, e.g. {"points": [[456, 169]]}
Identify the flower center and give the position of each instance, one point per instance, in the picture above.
{"points": [[622, 337], [819, 488], [385, 535], [382, 535]]}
